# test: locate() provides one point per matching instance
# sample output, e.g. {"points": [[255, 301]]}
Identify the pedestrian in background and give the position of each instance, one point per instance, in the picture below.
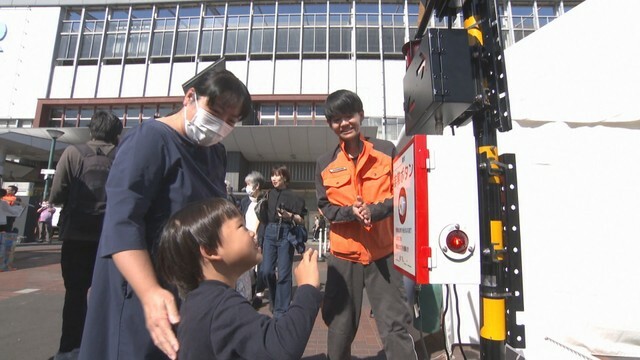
{"points": [[284, 210], [163, 165], [355, 193], [249, 284], [10, 198], [45, 225], [79, 187]]}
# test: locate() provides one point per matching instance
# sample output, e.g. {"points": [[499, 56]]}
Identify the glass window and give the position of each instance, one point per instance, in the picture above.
{"points": [[304, 109], [55, 117], [262, 35], [339, 39], [85, 116], [133, 115], [237, 30], [340, 28], [140, 33], [522, 17], [285, 109], [166, 109], [267, 110], [118, 111], [69, 35], [238, 10], [314, 29], [70, 117], [285, 114], [288, 40], [212, 30], [162, 40], [267, 114], [319, 111], [214, 10], [188, 28], [149, 112], [546, 14], [116, 33]]}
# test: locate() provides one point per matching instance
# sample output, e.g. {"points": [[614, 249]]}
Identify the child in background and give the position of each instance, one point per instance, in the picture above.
{"points": [[203, 250]]}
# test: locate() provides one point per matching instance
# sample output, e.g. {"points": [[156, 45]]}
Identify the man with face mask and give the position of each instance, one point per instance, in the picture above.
{"points": [[162, 165]]}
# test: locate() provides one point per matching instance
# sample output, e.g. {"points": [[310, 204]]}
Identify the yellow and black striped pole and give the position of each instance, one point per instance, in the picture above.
{"points": [[493, 289]]}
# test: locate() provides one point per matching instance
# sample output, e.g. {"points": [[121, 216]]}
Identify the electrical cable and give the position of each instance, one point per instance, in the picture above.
{"points": [[442, 325], [416, 296], [455, 294]]}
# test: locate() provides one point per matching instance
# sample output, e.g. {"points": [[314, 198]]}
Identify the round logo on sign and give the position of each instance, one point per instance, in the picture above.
{"points": [[402, 205], [3, 31]]}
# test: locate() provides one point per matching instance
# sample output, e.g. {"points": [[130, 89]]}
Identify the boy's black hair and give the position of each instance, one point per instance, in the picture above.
{"points": [[282, 171], [340, 103], [105, 126], [225, 89], [198, 224]]}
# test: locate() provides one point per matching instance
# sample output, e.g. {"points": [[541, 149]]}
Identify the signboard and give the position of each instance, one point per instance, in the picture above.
{"points": [[411, 251]]}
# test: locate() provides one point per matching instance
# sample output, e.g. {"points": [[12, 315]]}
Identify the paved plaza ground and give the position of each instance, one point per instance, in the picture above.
{"points": [[31, 300]]}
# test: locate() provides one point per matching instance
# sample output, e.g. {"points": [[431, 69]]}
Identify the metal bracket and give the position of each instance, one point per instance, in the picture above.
{"points": [[513, 270]]}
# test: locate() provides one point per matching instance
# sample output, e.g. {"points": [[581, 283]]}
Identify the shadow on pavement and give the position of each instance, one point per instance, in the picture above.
{"points": [[27, 257]]}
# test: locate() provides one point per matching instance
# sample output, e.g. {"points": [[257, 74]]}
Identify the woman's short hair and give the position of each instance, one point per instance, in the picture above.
{"points": [[341, 103], [255, 177], [105, 126], [282, 171], [224, 88], [196, 225]]}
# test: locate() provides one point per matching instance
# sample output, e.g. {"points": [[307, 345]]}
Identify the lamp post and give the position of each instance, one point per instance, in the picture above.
{"points": [[54, 134]]}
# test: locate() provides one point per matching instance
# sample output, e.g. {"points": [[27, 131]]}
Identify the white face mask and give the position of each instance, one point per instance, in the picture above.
{"points": [[249, 189], [205, 129]]}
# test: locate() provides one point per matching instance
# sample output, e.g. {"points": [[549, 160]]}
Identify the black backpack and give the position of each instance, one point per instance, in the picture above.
{"points": [[87, 200]]}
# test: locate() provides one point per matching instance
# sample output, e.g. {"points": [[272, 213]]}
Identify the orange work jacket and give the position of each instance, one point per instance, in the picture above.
{"points": [[339, 180]]}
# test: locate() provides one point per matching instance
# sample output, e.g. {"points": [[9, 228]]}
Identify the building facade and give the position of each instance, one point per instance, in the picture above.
{"points": [[61, 60]]}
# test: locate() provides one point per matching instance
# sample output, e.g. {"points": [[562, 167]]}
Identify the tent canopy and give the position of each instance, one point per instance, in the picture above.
{"points": [[583, 68]]}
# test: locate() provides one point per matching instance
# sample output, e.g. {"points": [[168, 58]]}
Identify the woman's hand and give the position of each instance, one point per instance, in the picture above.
{"points": [[160, 310], [161, 313]]}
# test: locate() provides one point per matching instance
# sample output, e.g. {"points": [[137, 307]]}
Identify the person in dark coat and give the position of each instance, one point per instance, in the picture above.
{"points": [[79, 242], [162, 165]]}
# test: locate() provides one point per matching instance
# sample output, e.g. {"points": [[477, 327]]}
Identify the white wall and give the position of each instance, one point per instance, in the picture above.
{"points": [[181, 73], [158, 80], [287, 79], [61, 84], [370, 86], [25, 60], [260, 80], [394, 71], [342, 75], [315, 76], [109, 80], [86, 80], [133, 80]]}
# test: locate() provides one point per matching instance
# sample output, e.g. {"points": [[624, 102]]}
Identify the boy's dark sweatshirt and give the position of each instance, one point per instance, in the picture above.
{"points": [[216, 322]]}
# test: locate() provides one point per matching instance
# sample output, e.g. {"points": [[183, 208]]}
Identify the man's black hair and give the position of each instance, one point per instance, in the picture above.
{"points": [[341, 103], [105, 126]]}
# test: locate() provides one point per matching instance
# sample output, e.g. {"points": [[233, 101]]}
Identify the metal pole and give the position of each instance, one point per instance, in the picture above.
{"points": [[47, 179]]}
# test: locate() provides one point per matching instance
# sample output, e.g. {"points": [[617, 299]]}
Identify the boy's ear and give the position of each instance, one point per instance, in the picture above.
{"points": [[210, 254]]}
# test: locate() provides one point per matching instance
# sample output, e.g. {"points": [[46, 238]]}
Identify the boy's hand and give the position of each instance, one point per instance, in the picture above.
{"points": [[307, 271]]}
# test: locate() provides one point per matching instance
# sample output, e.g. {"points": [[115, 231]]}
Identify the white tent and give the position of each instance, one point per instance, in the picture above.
{"points": [[575, 105]]}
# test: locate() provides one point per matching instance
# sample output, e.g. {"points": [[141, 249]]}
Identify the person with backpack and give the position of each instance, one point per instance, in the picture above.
{"points": [[79, 186]]}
